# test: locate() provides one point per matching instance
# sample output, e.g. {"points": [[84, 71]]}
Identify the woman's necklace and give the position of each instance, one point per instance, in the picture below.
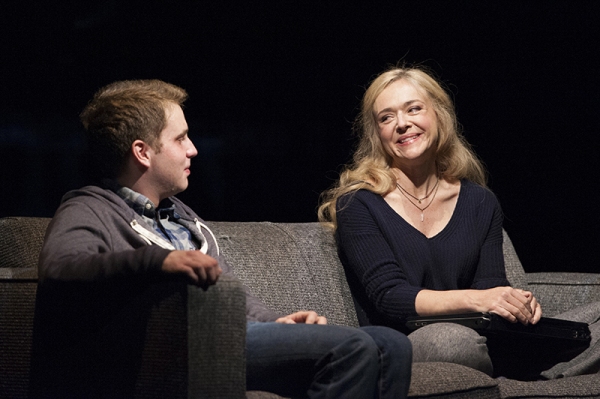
{"points": [[426, 196], [434, 190]]}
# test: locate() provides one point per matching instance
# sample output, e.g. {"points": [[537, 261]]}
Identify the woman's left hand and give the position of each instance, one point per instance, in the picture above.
{"points": [[534, 306], [512, 304]]}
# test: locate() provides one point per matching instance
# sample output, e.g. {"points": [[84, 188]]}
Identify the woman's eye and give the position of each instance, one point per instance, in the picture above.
{"points": [[414, 110]]}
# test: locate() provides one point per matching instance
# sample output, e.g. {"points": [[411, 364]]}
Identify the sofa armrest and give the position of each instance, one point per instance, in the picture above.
{"points": [[217, 362], [169, 339], [10, 273], [196, 350], [561, 291]]}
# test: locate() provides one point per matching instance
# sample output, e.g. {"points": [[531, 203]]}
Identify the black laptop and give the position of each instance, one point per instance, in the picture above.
{"points": [[520, 351], [490, 322]]}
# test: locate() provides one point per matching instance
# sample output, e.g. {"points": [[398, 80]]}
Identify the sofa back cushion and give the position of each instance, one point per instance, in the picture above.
{"points": [[295, 266], [289, 266], [21, 240], [514, 270]]}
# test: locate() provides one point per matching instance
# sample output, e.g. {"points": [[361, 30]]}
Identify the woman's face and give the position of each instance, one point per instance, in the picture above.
{"points": [[407, 123]]}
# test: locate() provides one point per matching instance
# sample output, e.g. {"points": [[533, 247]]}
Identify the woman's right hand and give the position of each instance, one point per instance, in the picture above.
{"points": [[513, 304]]}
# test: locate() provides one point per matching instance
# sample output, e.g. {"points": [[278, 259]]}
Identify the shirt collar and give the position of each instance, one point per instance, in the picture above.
{"points": [[141, 204]]}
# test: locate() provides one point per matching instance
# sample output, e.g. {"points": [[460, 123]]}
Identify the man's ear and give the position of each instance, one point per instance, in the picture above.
{"points": [[142, 153]]}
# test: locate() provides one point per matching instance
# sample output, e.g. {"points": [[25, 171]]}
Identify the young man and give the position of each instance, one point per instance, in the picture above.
{"points": [[105, 239]]}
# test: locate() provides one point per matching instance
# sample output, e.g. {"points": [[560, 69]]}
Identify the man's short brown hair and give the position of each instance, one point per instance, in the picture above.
{"points": [[123, 112]]}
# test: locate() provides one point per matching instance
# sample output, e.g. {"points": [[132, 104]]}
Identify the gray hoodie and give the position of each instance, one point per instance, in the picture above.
{"points": [[96, 237]]}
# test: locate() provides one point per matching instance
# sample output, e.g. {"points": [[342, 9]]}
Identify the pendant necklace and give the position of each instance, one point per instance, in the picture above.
{"points": [[407, 194], [419, 199]]}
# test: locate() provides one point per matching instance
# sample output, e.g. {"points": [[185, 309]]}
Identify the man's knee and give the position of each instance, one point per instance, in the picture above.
{"points": [[391, 341], [362, 343]]}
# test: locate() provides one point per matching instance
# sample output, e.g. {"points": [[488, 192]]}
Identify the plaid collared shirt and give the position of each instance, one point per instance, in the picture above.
{"points": [[163, 220]]}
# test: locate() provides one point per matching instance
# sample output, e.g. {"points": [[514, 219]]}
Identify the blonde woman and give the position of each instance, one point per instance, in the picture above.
{"points": [[417, 229]]}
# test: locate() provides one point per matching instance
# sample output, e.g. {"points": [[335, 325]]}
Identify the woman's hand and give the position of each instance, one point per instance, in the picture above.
{"points": [[510, 303], [513, 304], [536, 308]]}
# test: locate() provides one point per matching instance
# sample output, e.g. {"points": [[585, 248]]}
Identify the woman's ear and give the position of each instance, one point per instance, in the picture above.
{"points": [[141, 152]]}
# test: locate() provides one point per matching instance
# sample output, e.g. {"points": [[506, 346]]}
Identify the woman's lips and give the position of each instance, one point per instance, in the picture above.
{"points": [[408, 139]]}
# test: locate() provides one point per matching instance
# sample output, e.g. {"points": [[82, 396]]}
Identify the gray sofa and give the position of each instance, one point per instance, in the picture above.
{"points": [[192, 341]]}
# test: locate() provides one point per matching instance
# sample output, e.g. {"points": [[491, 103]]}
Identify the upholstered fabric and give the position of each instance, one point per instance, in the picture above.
{"points": [[213, 325], [514, 270], [559, 292], [262, 395], [20, 243], [298, 262], [584, 386], [194, 339], [17, 300], [216, 334], [278, 262], [438, 380], [448, 380]]}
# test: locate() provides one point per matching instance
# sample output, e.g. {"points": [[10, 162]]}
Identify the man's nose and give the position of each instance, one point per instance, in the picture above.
{"points": [[192, 151]]}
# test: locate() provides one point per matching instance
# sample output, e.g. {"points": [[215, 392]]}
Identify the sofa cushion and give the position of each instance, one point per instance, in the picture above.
{"points": [[449, 380], [514, 270], [583, 386], [437, 380], [20, 244], [262, 395], [559, 292], [282, 258]]}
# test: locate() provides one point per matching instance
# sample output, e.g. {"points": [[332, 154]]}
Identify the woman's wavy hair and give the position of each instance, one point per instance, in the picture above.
{"points": [[370, 167]]}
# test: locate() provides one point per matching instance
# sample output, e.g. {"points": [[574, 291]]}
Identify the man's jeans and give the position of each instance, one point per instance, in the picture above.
{"points": [[325, 361]]}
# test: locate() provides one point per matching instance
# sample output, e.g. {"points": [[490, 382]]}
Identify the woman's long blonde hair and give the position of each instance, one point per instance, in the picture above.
{"points": [[370, 167]]}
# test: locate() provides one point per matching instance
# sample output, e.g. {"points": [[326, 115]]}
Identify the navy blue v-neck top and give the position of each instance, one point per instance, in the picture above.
{"points": [[388, 261]]}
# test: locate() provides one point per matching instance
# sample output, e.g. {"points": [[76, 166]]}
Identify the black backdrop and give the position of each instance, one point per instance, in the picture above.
{"points": [[274, 87]]}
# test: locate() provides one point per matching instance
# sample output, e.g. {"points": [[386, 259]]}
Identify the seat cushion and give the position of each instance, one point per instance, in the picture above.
{"points": [[583, 386], [262, 395], [449, 380]]}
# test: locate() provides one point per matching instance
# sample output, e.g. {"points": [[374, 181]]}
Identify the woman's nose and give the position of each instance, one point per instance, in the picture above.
{"points": [[401, 121]]}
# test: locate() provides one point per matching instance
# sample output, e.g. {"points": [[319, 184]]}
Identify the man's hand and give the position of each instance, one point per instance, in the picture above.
{"points": [[199, 269], [303, 316]]}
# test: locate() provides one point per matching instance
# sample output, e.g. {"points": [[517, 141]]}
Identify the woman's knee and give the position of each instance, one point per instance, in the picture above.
{"points": [[449, 342]]}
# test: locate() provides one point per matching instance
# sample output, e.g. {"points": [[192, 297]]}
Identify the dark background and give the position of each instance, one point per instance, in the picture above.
{"points": [[274, 87]]}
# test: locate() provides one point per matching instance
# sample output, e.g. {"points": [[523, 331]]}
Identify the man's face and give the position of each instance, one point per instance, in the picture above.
{"points": [[170, 165]]}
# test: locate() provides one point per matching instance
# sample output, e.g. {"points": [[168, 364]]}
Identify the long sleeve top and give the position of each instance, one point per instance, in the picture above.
{"points": [[387, 261], [95, 236]]}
